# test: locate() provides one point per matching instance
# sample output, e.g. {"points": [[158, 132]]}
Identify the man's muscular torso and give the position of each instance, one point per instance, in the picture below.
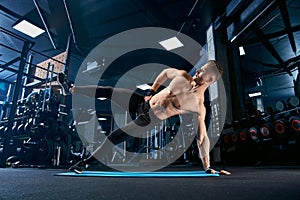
{"points": [[181, 96]]}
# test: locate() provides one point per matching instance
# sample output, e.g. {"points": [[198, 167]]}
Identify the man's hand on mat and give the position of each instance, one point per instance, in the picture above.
{"points": [[221, 172]]}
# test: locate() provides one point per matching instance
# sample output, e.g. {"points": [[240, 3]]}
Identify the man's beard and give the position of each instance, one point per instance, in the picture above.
{"points": [[199, 81]]}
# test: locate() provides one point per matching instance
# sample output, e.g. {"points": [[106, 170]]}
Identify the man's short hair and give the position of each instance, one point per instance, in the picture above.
{"points": [[218, 65]]}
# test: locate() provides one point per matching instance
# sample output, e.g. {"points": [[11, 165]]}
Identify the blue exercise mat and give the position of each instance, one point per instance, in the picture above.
{"points": [[139, 174]]}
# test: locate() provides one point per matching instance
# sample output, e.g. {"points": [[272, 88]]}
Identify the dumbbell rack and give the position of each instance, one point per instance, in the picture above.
{"points": [[271, 138]]}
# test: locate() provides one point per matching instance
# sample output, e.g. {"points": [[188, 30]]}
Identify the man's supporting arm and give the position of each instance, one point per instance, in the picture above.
{"points": [[203, 142]]}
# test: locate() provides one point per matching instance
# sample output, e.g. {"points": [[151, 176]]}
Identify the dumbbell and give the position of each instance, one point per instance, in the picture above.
{"points": [[291, 102], [243, 135], [254, 133], [294, 122], [234, 137], [281, 126], [281, 130], [225, 139], [266, 129], [280, 105]]}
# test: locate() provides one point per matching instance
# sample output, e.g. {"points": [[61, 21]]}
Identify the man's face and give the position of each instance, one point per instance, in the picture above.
{"points": [[207, 74]]}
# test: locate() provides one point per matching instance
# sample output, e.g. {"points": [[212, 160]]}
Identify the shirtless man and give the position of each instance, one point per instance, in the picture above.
{"points": [[184, 94]]}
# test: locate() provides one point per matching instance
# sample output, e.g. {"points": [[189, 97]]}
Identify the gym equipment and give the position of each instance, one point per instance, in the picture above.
{"points": [[290, 103], [36, 132], [234, 137], [254, 132], [243, 135], [269, 137], [280, 106], [265, 130], [140, 174], [294, 122], [281, 131], [281, 126], [293, 101], [225, 139], [12, 160]]}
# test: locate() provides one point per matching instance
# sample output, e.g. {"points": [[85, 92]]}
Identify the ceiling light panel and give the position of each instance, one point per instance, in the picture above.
{"points": [[28, 28]]}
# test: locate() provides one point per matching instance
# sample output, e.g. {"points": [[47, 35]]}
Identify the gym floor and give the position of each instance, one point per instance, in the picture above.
{"points": [[263, 182]]}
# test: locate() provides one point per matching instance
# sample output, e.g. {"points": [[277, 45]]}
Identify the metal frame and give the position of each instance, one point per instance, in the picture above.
{"points": [[13, 109], [10, 63], [44, 22]]}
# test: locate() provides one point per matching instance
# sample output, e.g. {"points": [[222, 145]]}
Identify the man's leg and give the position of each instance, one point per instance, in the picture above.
{"points": [[122, 134], [114, 138], [125, 98]]}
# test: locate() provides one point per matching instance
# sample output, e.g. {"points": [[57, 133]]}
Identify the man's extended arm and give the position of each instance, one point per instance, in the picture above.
{"points": [[169, 73]]}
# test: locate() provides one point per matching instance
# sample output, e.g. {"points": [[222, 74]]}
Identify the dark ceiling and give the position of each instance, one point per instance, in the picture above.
{"points": [[93, 21]]}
